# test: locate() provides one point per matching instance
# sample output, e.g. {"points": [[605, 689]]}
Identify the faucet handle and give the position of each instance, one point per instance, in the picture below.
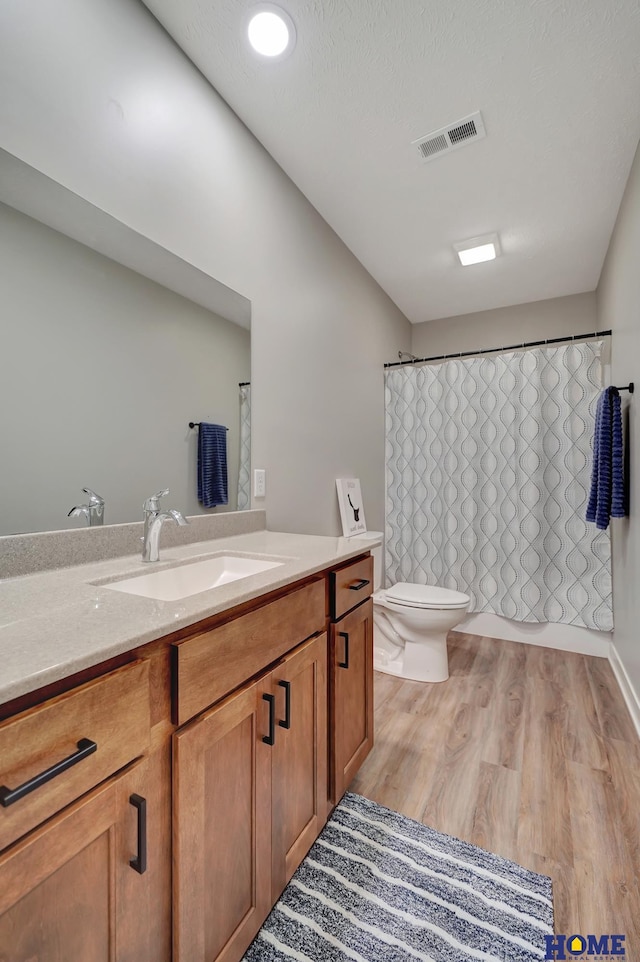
{"points": [[151, 504], [93, 497]]}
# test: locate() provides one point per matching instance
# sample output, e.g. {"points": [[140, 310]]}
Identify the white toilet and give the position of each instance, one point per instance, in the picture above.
{"points": [[410, 625]]}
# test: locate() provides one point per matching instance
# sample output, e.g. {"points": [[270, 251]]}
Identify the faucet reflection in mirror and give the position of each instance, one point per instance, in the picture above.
{"points": [[153, 521], [93, 511]]}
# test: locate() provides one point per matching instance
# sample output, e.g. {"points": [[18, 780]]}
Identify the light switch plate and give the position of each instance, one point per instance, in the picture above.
{"points": [[259, 483]]}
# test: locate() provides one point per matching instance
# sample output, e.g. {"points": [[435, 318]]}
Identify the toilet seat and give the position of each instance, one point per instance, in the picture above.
{"points": [[404, 595]]}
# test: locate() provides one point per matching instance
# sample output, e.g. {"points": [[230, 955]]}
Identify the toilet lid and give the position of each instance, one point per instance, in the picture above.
{"points": [[426, 596]]}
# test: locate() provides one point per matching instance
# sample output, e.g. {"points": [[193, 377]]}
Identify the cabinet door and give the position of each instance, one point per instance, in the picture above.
{"points": [[222, 828], [61, 888], [299, 757], [144, 922], [351, 696]]}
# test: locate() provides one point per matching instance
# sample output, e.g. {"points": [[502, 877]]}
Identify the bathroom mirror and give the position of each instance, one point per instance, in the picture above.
{"points": [[101, 371]]}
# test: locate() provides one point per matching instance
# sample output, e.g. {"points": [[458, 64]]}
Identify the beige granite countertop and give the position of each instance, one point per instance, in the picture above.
{"points": [[58, 622]]}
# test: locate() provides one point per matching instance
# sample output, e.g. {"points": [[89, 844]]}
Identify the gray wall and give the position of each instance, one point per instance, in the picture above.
{"points": [[100, 372], [574, 314], [619, 308], [151, 143]]}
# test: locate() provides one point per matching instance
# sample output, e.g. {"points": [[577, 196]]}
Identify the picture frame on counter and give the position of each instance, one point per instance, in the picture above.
{"points": [[351, 507]]}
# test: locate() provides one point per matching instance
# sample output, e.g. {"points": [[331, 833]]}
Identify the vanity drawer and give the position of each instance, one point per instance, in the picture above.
{"points": [[111, 712], [209, 665], [351, 585]]}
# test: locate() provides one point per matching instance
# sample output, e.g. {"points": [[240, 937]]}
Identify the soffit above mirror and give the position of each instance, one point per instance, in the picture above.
{"points": [[33, 193]]}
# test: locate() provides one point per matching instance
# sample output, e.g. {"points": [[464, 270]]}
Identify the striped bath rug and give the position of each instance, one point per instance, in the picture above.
{"points": [[379, 886]]}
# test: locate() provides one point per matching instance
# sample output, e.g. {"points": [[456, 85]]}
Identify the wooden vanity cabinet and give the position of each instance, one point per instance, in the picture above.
{"points": [[249, 801], [249, 773], [84, 854], [276, 717], [221, 828], [87, 734], [64, 895], [299, 758], [68, 891], [350, 674]]}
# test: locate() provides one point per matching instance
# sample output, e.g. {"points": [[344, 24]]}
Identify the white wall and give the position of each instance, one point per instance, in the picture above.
{"points": [[556, 317], [97, 96], [100, 373], [618, 298]]}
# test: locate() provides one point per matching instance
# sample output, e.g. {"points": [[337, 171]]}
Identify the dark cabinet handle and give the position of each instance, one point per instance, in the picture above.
{"points": [[358, 585], [345, 663], [8, 796], [139, 863], [286, 721], [271, 737]]}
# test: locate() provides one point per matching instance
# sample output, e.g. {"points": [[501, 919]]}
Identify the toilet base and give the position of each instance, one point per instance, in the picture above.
{"points": [[411, 642], [426, 661]]}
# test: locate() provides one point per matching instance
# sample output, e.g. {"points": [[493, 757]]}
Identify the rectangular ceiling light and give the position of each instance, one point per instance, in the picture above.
{"points": [[478, 249], [475, 255]]}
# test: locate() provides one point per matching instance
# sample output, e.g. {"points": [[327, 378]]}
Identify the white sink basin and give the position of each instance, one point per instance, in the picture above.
{"points": [[172, 584]]}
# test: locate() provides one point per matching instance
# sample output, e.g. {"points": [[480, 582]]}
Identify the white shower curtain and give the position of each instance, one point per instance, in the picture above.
{"points": [[488, 464], [244, 474]]}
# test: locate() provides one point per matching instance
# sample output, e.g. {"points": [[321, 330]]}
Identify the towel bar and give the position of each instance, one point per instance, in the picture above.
{"points": [[196, 424]]}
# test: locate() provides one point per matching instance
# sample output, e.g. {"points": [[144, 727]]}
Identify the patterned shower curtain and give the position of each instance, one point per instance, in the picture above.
{"points": [[244, 474], [488, 464]]}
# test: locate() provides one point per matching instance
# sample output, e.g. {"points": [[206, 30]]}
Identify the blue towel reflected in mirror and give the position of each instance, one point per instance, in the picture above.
{"points": [[212, 465]]}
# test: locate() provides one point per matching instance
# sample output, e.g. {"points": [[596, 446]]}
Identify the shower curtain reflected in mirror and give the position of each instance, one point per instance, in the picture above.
{"points": [[488, 466], [244, 474]]}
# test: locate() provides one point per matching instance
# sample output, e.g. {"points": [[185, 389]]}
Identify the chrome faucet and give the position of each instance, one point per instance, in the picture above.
{"points": [[153, 521], [93, 511]]}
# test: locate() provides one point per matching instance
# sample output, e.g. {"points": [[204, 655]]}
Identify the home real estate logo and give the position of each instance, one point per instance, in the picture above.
{"points": [[596, 948]]}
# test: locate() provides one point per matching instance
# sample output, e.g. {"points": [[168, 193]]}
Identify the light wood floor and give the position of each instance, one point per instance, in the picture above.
{"points": [[527, 752]]}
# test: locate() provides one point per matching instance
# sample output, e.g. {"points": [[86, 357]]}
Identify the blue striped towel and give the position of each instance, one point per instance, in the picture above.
{"points": [[607, 496], [212, 465]]}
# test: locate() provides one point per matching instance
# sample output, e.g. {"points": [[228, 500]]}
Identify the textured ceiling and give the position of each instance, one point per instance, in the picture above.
{"points": [[557, 82]]}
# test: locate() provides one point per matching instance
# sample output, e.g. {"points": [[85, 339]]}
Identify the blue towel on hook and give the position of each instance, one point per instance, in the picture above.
{"points": [[212, 465], [607, 496]]}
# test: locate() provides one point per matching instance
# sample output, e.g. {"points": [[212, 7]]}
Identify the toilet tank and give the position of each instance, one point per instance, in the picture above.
{"points": [[377, 554]]}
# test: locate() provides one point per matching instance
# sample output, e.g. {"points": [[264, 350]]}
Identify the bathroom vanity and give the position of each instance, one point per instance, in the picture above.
{"points": [[181, 780]]}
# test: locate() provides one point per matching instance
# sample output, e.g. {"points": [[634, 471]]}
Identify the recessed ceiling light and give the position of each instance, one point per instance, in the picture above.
{"points": [[271, 31], [478, 249]]}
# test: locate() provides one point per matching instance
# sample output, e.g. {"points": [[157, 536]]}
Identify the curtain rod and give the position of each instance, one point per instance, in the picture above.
{"points": [[493, 350]]}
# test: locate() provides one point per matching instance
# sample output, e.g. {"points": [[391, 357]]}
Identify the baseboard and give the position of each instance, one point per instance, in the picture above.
{"points": [[584, 641], [629, 693]]}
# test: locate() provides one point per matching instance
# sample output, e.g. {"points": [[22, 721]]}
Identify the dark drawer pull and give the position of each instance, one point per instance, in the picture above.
{"points": [[286, 721], [139, 863], [359, 585], [271, 737], [8, 796], [345, 663]]}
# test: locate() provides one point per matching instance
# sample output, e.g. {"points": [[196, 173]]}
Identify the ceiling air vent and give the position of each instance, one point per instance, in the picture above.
{"points": [[451, 137]]}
